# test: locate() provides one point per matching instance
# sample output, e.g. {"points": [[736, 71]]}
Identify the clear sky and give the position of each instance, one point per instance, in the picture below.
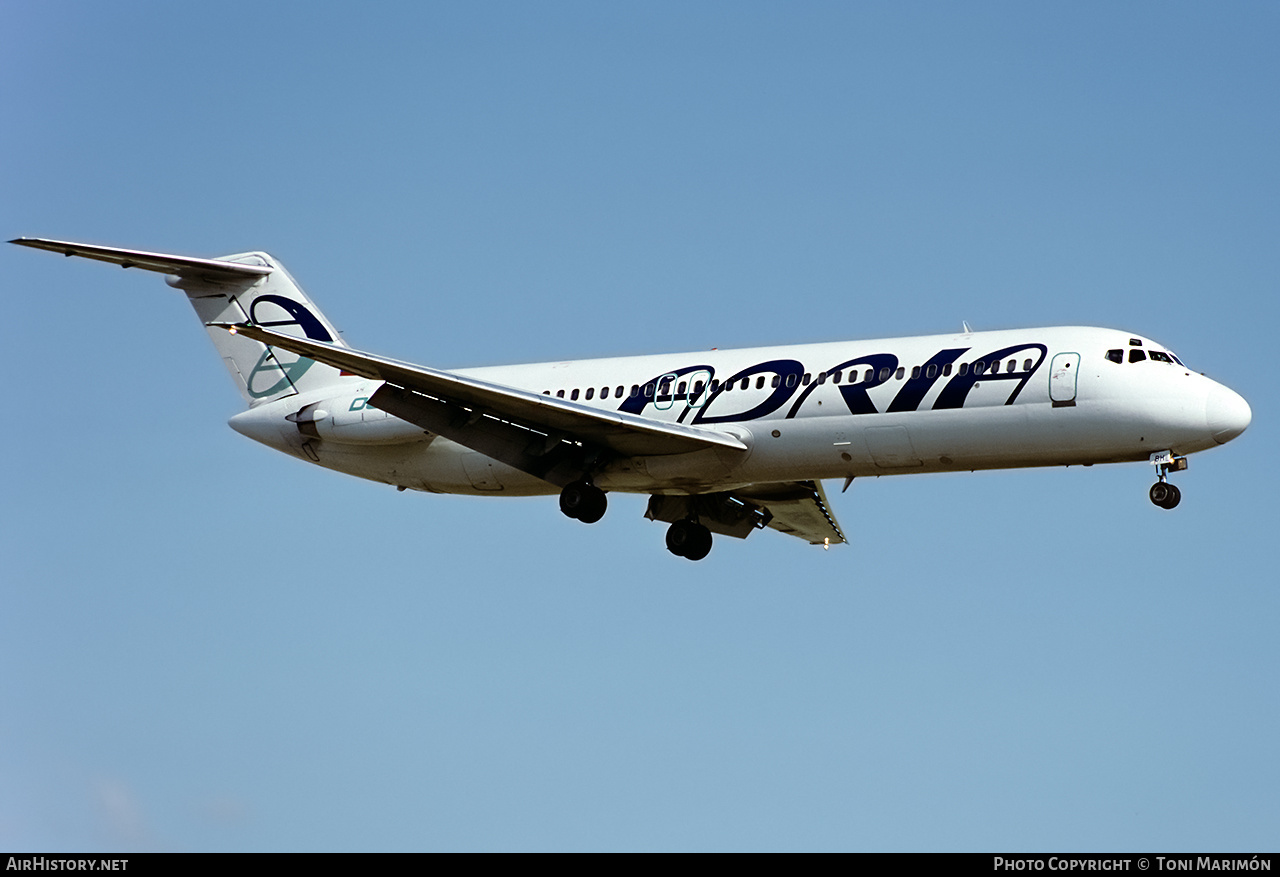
{"points": [[205, 645]]}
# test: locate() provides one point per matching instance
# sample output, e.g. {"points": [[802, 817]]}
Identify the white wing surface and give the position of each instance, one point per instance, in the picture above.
{"points": [[451, 403]]}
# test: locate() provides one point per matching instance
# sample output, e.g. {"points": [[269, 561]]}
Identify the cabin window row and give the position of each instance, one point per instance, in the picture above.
{"points": [[853, 376]]}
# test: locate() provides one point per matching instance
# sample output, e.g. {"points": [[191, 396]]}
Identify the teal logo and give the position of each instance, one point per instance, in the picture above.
{"points": [[269, 367]]}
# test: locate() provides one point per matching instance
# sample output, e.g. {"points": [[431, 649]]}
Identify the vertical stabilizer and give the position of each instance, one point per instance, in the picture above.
{"points": [[262, 373], [243, 288]]}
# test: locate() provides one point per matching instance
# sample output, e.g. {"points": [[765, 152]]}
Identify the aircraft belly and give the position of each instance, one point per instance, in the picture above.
{"points": [[436, 467]]}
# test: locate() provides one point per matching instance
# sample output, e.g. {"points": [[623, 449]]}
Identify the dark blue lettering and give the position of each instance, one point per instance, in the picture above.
{"points": [[953, 395], [652, 391], [855, 394], [915, 389], [780, 394]]}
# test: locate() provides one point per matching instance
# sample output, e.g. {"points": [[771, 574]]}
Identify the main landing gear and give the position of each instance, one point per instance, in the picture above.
{"points": [[1163, 493], [583, 502], [687, 538]]}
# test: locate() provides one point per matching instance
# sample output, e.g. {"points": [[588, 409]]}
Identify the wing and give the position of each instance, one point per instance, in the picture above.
{"points": [[799, 508], [545, 436]]}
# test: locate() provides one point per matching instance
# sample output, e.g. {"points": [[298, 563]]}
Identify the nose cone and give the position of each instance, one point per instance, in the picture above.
{"points": [[1227, 413]]}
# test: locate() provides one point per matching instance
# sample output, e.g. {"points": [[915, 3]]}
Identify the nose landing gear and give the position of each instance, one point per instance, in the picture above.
{"points": [[1163, 493]]}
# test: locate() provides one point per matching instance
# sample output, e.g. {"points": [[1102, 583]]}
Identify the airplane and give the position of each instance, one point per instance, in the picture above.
{"points": [[723, 442]]}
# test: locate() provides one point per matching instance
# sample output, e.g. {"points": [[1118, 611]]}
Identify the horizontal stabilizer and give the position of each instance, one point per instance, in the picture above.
{"points": [[165, 264]]}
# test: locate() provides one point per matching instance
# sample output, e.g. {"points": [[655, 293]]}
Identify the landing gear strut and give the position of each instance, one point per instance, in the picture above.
{"points": [[689, 539], [583, 502], [1163, 493]]}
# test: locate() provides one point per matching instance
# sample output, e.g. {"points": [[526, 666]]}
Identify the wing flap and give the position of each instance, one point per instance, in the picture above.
{"points": [[798, 509]]}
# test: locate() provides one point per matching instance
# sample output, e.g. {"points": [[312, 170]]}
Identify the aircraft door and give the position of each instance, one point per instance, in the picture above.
{"points": [[480, 470], [891, 447], [699, 386], [1062, 379], [664, 392]]}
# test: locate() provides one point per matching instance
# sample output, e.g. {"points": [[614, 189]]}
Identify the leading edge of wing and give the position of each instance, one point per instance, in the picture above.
{"points": [[161, 262], [626, 433]]}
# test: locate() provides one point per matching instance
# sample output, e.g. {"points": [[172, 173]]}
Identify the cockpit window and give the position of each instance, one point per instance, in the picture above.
{"points": [[1136, 356], [1115, 355], [1160, 357]]}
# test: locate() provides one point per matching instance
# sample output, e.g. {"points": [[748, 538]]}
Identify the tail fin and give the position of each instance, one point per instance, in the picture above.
{"points": [[242, 288], [262, 373]]}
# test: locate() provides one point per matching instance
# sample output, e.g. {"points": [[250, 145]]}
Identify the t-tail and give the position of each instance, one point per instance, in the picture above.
{"points": [[241, 288]]}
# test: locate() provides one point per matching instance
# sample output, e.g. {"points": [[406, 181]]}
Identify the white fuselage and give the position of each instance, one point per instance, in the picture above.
{"points": [[816, 411]]}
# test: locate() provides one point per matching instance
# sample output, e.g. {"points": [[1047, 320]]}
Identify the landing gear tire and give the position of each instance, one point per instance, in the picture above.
{"points": [[583, 502], [1165, 495], [689, 539]]}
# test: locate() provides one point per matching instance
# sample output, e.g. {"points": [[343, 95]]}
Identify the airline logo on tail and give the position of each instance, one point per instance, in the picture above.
{"points": [[263, 312]]}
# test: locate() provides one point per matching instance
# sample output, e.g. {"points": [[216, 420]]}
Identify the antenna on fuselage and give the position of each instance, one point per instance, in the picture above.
{"points": [[967, 330]]}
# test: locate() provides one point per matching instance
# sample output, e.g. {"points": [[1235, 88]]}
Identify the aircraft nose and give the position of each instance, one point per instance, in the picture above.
{"points": [[1227, 414]]}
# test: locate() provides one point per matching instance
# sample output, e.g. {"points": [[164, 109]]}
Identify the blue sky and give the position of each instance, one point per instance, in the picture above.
{"points": [[208, 646]]}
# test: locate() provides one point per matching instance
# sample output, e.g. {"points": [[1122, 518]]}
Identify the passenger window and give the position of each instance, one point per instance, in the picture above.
{"points": [[900, 373], [777, 381], [791, 380], [995, 367], [1136, 356], [964, 369], [931, 371], [1026, 365], [635, 390], [697, 389], [559, 394], [805, 380], [591, 392], [680, 389], [946, 369], [835, 378], [648, 391], [617, 393], [760, 383], [746, 383], [546, 392], [715, 386], [915, 372], [665, 387], [884, 374], [574, 395], [1012, 366]]}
